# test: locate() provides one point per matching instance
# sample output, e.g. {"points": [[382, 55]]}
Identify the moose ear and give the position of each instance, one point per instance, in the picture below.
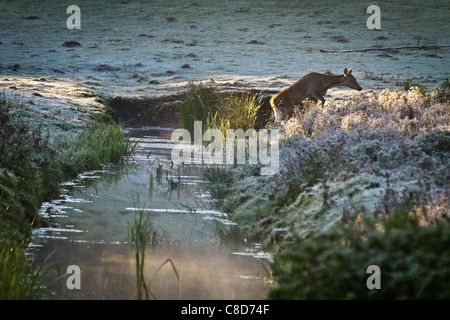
{"points": [[345, 71], [350, 71]]}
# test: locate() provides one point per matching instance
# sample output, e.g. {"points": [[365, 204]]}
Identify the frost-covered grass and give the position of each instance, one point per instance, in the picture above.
{"points": [[352, 163]]}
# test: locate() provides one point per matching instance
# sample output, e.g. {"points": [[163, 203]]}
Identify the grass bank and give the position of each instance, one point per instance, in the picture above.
{"points": [[361, 182], [31, 169]]}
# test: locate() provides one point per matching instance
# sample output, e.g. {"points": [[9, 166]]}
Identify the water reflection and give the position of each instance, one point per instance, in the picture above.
{"points": [[89, 227]]}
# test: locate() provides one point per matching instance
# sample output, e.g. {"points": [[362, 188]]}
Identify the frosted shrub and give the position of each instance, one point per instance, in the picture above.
{"points": [[353, 121], [410, 113], [325, 121], [391, 100], [336, 151], [292, 126], [436, 117], [417, 96]]}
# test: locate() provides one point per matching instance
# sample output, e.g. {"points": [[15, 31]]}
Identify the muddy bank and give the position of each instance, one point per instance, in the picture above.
{"points": [[163, 111], [139, 112]]}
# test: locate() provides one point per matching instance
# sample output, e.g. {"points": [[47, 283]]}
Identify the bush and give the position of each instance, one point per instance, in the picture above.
{"points": [[443, 92], [410, 113], [29, 172], [414, 263], [435, 143]]}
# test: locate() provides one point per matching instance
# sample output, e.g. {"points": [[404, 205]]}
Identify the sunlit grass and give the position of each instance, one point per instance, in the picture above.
{"points": [[239, 111], [18, 278], [202, 102]]}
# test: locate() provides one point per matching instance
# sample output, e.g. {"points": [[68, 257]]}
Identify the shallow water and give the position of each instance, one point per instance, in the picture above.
{"points": [[89, 228]]}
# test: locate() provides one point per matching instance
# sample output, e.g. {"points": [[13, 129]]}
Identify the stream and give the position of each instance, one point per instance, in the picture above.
{"points": [[89, 226]]}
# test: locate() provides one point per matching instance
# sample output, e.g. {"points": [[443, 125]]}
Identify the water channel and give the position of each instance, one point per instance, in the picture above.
{"points": [[89, 227]]}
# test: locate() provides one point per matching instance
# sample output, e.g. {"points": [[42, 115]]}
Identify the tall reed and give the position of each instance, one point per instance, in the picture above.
{"points": [[139, 235]]}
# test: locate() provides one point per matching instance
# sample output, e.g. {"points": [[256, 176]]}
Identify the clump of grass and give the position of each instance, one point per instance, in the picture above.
{"points": [[239, 111], [199, 104], [202, 102], [98, 144], [219, 178]]}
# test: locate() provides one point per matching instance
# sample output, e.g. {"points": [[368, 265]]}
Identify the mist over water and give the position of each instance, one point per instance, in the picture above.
{"points": [[89, 228]]}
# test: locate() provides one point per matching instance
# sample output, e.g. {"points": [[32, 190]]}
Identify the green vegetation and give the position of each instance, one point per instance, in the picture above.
{"points": [[199, 104], [202, 102], [443, 92], [29, 173], [408, 84], [140, 234], [100, 143], [239, 110], [414, 261], [18, 279], [31, 168]]}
